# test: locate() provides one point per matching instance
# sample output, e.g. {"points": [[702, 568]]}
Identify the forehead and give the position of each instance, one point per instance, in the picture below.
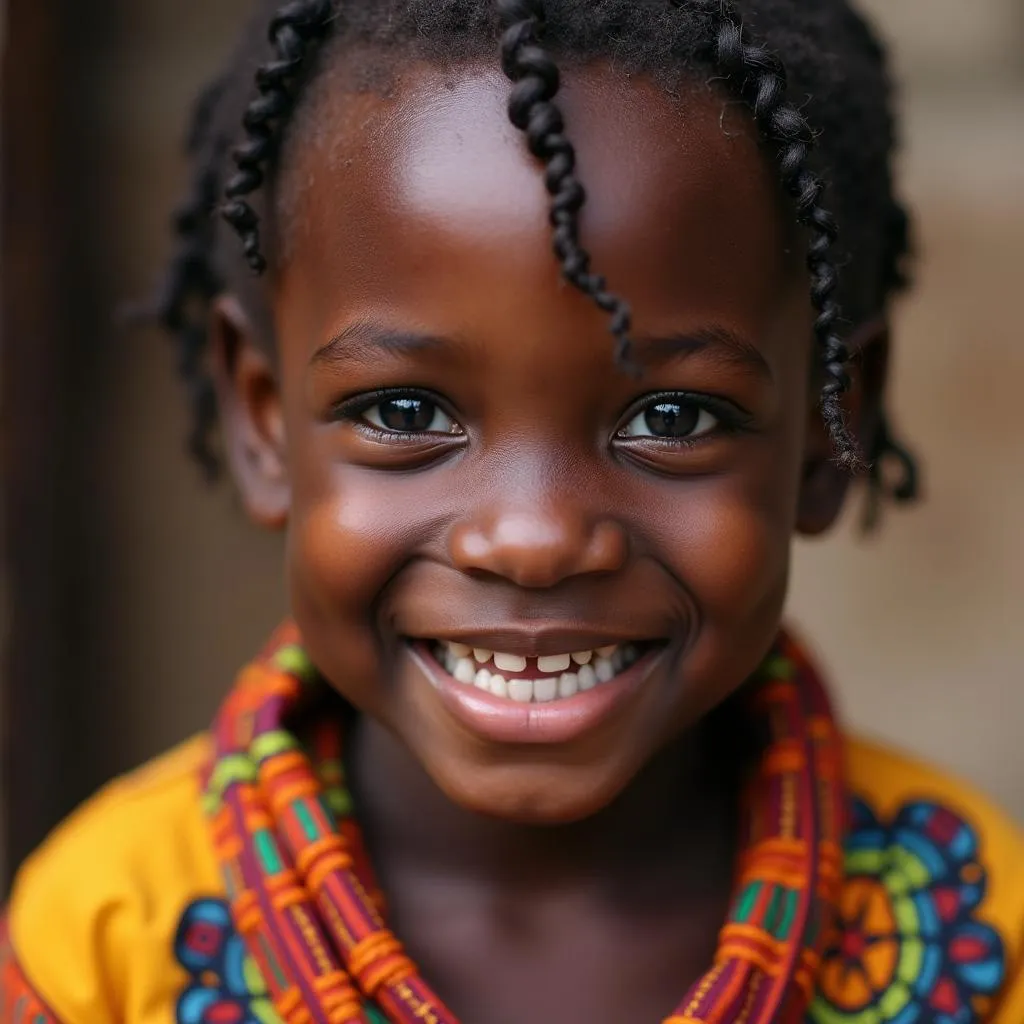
{"points": [[378, 188]]}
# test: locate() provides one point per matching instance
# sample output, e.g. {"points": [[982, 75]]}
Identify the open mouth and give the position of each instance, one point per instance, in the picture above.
{"points": [[540, 680]]}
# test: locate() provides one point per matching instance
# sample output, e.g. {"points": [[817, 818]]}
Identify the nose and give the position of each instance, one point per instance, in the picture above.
{"points": [[538, 547]]}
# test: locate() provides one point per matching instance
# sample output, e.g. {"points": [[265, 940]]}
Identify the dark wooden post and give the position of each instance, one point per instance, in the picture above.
{"points": [[44, 347]]}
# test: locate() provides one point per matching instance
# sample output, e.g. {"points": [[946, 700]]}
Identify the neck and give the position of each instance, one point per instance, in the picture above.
{"points": [[680, 813]]}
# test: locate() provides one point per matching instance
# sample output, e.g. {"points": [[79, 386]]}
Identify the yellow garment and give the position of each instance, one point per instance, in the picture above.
{"points": [[120, 916]]}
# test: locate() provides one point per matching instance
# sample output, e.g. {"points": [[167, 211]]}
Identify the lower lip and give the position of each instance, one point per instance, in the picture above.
{"points": [[499, 720]]}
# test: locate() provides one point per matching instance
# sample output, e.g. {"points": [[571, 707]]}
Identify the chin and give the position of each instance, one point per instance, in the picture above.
{"points": [[536, 794]]}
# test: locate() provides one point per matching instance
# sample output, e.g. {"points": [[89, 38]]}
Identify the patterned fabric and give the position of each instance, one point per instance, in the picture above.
{"points": [[304, 900], [225, 986], [909, 948], [19, 1002]]}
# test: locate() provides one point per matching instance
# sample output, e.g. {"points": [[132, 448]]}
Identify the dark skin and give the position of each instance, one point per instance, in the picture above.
{"points": [[415, 254]]}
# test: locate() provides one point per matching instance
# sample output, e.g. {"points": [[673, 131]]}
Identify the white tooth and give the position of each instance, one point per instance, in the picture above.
{"points": [[554, 663], [450, 661], [629, 654], [606, 652], [545, 690], [617, 660], [459, 650], [521, 690], [604, 670], [568, 685], [509, 662], [583, 657], [481, 655], [465, 670], [498, 686], [483, 680], [587, 677]]}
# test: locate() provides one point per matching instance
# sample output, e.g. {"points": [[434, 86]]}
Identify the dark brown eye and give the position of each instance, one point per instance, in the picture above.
{"points": [[410, 414], [671, 419]]}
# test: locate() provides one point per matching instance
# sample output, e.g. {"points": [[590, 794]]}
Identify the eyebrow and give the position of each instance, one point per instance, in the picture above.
{"points": [[718, 342], [365, 341]]}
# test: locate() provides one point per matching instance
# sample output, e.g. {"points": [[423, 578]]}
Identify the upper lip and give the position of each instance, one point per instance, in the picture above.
{"points": [[536, 643]]}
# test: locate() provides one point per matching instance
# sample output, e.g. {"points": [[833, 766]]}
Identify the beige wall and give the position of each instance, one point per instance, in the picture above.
{"points": [[922, 625], [919, 625]]}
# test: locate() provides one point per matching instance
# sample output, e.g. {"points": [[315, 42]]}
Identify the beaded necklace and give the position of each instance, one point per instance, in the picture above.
{"points": [[303, 896]]}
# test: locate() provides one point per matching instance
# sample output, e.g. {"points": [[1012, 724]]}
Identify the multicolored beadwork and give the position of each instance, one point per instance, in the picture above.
{"points": [[303, 897]]}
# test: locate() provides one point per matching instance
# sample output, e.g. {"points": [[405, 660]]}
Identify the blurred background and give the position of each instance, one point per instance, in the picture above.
{"points": [[132, 593]]}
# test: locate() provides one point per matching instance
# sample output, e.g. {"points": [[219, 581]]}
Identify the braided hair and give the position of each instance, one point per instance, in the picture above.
{"points": [[834, 77]]}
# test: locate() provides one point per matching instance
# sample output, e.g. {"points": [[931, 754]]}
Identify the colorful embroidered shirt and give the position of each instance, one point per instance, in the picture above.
{"points": [[122, 915]]}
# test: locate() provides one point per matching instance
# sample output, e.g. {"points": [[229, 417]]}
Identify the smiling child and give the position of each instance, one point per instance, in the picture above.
{"points": [[545, 360]]}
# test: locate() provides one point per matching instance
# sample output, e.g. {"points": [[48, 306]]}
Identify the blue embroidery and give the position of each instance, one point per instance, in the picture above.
{"points": [[225, 986]]}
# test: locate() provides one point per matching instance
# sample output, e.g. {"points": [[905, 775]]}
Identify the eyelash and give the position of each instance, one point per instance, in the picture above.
{"points": [[353, 410], [731, 419]]}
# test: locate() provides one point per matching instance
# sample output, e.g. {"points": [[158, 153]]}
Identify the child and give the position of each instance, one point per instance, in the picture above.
{"points": [[534, 748]]}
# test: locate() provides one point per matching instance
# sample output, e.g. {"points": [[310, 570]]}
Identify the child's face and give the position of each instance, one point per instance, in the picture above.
{"points": [[538, 510]]}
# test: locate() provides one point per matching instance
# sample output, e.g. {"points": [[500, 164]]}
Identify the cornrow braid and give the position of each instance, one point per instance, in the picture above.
{"points": [[191, 282], [295, 33], [759, 77], [535, 79]]}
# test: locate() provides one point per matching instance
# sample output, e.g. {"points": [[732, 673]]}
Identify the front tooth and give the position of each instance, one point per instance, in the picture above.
{"points": [[482, 655], [459, 650], [554, 663], [583, 657], [498, 686], [509, 662], [521, 690], [483, 680], [587, 677], [604, 670], [606, 652], [465, 670], [545, 690], [568, 685]]}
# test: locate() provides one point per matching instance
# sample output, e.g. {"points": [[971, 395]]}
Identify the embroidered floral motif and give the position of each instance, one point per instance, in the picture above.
{"points": [[225, 987], [909, 948]]}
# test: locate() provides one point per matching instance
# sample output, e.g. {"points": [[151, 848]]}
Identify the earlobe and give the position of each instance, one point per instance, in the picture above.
{"points": [[825, 484], [252, 420]]}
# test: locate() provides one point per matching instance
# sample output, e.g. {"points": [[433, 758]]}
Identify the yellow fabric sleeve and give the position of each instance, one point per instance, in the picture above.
{"points": [[93, 913]]}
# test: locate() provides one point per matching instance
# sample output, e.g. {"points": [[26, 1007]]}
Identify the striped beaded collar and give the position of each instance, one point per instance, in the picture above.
{"points": [[303, 897]]}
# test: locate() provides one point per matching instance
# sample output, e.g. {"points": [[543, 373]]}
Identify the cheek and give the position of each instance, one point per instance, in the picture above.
{"points": [[728, 540], [346, 541]]}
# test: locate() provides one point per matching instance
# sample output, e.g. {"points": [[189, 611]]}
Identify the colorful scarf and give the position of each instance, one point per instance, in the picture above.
{"points": [[303, 896]]}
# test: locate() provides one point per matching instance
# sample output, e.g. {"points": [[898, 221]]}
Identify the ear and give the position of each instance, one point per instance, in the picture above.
{"points": [[252, 420], [825, 484]]}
